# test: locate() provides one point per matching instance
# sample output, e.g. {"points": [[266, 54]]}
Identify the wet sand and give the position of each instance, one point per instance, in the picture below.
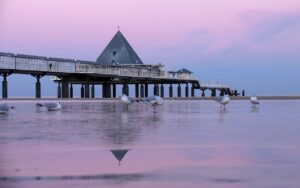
{"points": [[187, 144]]}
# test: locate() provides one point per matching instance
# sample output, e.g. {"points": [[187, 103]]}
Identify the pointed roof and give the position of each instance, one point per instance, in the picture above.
{"points": [[119, 51], [184, 71]]}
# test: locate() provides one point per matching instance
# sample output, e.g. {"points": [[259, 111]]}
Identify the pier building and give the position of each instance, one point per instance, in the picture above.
{"points": [[118, 64]]}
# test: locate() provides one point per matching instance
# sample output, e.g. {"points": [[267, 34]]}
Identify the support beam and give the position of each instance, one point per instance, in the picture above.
{"points": [[93, 91], [142, 89], [187, 90], [156, 90], [192, 91], [38, 87], [4, 86], [87, 90], [179, 90], [114, 90], [162, 92], [82, 91], [125, 89], [58, 90], [222, 92], [106, 90], [235, 93], [146, 90], [213, 92], [136, 90], [170, 90], [65, 89], [71, 90], [203, 92]]}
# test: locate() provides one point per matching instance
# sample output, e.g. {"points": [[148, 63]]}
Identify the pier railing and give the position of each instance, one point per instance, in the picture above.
{"points": [[52, 66]]}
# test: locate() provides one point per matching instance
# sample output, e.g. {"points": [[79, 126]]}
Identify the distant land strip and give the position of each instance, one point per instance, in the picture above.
{"points": [[165, 98]]}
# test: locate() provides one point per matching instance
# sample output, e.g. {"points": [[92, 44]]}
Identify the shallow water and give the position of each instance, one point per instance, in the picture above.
{"points": [[186, 144]]}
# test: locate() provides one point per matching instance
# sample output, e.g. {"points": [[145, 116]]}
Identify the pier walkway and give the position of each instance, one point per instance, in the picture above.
{"points": [[117, 64]]}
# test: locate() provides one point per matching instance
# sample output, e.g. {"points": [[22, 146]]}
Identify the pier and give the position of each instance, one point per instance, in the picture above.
{"points": [[118, 64]]}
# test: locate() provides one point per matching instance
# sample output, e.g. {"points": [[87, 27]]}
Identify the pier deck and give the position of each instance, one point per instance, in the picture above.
{"points": [[70, 71]]}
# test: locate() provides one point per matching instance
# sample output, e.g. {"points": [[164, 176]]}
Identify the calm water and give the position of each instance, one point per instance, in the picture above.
{"points": [[188, 144]]}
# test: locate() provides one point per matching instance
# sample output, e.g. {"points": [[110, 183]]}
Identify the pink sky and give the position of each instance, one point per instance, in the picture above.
{"points": [[86, 26]]}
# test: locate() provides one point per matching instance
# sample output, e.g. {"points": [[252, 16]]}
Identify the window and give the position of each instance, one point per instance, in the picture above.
{"points": [[114, 53]]}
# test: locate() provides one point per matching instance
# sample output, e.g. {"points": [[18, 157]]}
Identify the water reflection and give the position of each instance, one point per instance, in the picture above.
{"points": [[119, 154], [254, 109], [185, 143]]}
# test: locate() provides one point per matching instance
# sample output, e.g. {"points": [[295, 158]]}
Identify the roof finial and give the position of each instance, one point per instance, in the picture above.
{"points": [[118, 27]]}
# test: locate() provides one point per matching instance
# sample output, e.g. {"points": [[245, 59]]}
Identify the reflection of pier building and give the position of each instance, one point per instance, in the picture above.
{"points": [[118, 64]]}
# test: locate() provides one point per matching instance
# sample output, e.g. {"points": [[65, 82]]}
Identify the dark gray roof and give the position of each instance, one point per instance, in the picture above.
{"points": [[6, 54], [30, 56], [184, 71], [85, 62], [119, 51], [60, 59]]}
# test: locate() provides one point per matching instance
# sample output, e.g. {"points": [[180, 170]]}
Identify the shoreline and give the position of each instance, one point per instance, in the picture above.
{"points": [[165, 98]]}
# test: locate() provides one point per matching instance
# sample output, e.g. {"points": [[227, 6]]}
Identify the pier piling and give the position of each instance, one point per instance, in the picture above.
{"points": [[59, 90], [71, 90], [213, 92], [170, 90], [125, 89], [37, 87], [4, 86], [87, 91], [106, 90], [179, 90], [187, 90], [142, 88], [203, 92], [162, 94], [82, 91], [192, 91], [136, 90], [114, 90], [93, 91], [146, 90], [65, 89]]}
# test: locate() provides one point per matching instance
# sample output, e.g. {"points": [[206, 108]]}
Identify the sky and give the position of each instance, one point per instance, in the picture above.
{"points": [[250, 44]]}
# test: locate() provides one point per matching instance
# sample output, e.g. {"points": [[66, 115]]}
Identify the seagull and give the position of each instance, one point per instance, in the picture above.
{"points": [[4, 108], [51, 106], [223, 101], [254, 101], [154, 101], [128, 100]]}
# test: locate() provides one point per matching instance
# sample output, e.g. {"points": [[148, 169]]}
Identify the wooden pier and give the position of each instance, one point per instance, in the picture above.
{"points": [[124, 68]]}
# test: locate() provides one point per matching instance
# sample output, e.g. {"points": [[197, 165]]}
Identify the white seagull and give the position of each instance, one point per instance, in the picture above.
{"points": [[254, 101], [154, 101], [4, 108], [223, 100], [128, 100], [51, 106]]}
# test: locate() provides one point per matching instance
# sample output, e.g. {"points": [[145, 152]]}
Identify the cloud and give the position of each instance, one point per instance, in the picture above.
{"points": [[266, 25]]}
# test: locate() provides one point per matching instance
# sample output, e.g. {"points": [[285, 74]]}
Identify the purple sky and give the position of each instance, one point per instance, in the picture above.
{"points": [[250, 44]]}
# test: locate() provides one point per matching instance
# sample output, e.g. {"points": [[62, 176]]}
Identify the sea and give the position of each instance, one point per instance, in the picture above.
{"points": [[185, 144]]}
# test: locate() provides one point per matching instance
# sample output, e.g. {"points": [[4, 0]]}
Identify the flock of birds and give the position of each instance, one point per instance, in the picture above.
{"points": [[223, 100], [51, 106], [154, 101]]}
